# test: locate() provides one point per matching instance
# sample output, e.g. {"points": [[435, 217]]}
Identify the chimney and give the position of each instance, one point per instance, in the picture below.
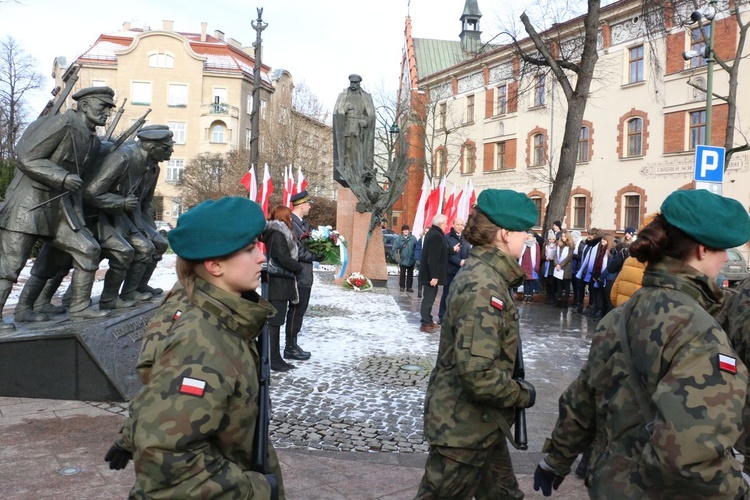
{"points": [[219, 34], [167, 25], [126, 26], [203, 31]]}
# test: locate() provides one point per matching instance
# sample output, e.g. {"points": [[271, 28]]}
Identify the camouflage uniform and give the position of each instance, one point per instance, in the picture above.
{"points": [[695, 402], [471, 393], [199, 446], [736, 322]]}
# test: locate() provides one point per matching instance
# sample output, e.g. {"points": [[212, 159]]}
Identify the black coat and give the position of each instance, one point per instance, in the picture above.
{"points": [[455, 258], [302, 231], [277, 247], [434, 262]]}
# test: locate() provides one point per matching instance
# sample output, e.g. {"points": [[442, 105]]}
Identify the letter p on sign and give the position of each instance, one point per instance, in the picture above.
{"points": [[709, 164]]}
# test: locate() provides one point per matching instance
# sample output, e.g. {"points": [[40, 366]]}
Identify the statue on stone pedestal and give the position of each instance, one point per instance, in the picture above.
{"points": [[45, 199], [354, 123]]}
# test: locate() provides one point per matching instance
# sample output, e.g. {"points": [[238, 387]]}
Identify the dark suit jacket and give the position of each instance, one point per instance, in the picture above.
{"points": [[434, 262]]}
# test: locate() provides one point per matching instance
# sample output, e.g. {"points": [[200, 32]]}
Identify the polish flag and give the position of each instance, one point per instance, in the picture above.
{"points": [[285, 194], [432, 207], [727, 363], [418, 225], [468, 199], [266, 190], [193, 386], [251, 184], [290, 186], [301, 181], [450, 210]]}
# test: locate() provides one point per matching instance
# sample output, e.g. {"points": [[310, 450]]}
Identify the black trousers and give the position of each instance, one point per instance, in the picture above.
{"points": [[444, 296], [429, 294], [297, 311], [406, 277]]}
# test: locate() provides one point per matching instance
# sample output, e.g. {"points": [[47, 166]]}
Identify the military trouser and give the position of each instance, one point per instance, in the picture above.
{"points": [[460, 474]]}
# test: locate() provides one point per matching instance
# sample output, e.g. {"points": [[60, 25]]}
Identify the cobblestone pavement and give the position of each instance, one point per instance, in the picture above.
{"points": [[363, 389]]}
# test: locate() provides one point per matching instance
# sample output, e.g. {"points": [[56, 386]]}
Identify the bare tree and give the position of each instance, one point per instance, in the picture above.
{"points": [[574, 71], [213, 175], [680, 11], [18, 77]]}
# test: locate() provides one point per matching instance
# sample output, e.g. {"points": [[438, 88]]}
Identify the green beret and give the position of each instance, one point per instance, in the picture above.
{"points": [[217, 228], [508, 209], [710, 219]]}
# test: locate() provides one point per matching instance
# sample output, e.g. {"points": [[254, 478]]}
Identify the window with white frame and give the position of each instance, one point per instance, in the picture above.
{"points": [[539, 146], [440, 165], [539, 90], [160, 60], [217, 133], [502, 99], [635, 138], [140, 93], [98, 83], [697, 128], [583, 145], [469, 159], [635, 64], [500, 156], [249, 103], [248, 138], [220, 95], [699, 39], [469, 109], [175, 168], [263, 108], [178, 131], [579, 211], [632, 210], [177, 95], [538, 204], [441, 116]]}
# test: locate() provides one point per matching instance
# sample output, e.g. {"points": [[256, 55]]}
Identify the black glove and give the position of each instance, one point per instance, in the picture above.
{"points": [[546, 479], [118, 457], [274, 484], [526, 385]]}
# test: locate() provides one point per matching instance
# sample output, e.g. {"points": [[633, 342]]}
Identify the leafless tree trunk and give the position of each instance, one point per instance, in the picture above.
{"points": [[576, 96], [18, 77]]}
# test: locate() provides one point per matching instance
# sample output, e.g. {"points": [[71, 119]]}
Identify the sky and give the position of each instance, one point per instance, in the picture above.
{"points": [[320, 42]]}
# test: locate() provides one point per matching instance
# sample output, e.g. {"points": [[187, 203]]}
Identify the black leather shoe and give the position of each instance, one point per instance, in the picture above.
{"points": [[281, 366], [293, 354], [296, 348]]}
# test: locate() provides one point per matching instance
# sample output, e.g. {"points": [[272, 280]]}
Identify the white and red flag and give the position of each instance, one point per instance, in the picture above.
{"points": [[266, 190], [418, 226], [301, 181], [251, 183]]}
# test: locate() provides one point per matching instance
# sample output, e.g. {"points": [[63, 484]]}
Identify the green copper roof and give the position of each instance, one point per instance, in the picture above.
{"points": [[436, 55]]}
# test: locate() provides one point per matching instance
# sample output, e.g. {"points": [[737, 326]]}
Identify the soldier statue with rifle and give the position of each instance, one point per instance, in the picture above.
{"points": [[45, 199]]}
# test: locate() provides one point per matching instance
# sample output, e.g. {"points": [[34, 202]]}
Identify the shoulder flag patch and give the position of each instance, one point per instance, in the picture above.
{"points": [[727, 363], [177, 315], [193, 386], [497, 303]]}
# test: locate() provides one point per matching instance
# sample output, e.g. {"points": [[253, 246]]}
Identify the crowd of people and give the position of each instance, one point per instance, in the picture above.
{"points": [[659, 406]]}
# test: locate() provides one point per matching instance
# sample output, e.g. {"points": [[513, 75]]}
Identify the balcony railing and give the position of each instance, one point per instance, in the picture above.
{"points": [[220, 110]]}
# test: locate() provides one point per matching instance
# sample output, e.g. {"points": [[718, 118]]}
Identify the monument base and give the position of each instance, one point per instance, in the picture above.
{"points": [[91, 360], [366, 252]]}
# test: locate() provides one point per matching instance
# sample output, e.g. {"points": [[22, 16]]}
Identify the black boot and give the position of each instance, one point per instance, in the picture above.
{"points": [[292, 350], [25, 307], [277, 362], [44, 303]]}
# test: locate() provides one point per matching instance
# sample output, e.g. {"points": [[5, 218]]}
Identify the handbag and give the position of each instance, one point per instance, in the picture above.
{"points": [[275, 269]]}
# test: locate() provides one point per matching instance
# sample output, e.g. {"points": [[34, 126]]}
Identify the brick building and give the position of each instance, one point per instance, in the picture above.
{"points": [[483, 117]]}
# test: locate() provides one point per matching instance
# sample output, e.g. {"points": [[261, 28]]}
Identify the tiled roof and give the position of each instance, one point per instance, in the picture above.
{"points": [[436, 55], [220, 56]]}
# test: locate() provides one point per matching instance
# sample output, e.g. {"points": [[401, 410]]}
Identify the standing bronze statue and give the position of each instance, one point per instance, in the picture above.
{"points": [[354, 133], [45, 199]]}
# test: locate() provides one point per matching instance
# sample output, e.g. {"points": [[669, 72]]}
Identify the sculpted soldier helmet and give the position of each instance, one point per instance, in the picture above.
{"points": [[104, 94], [155, 135], [354, 78]]}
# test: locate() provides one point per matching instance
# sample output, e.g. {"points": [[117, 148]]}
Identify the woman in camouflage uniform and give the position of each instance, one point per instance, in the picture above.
{"points": [[193, 424], [472, 394], [660, 398]]}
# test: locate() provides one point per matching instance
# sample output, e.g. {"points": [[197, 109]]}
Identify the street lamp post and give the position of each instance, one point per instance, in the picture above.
{"points": [[707, 52]]}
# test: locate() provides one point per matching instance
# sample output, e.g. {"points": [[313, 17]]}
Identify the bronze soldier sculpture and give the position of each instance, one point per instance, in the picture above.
{"points": [[45, 199], [111, 200]]}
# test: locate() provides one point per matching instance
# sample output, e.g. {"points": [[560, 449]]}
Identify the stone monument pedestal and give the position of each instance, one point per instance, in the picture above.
{"points": [[366, 257], [90, 360]]}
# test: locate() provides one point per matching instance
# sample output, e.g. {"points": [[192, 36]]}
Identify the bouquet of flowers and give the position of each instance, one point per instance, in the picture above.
{"points": [[326, 241], [357, 282]]}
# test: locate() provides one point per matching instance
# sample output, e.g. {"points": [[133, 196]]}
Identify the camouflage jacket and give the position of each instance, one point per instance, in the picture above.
{"points": [[193, 424], [692, 382], [736, 322], [471, 390]]}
